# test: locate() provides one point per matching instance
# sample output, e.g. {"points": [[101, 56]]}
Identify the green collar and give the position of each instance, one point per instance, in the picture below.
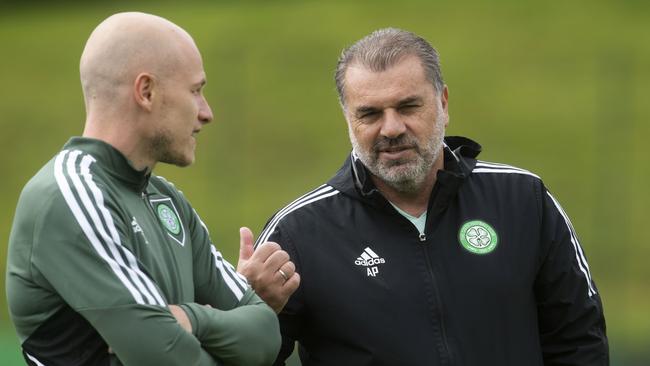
{"points": [[111, 160]]}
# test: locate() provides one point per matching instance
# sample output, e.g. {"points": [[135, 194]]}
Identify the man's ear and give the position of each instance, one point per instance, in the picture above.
{"points": [[144, 90], [444, 103]]}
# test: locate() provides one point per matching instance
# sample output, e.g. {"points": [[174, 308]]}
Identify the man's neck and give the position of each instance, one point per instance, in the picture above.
{"points": [[124, 142], [414, 203]]}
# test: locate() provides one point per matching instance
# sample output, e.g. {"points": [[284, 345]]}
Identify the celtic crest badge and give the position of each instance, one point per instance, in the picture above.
{"points": [[169, 218], [478, 237]]}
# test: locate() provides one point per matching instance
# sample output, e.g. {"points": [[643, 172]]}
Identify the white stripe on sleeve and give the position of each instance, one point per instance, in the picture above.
{"points": [[580, 257], [34, 360], [87, 229], [228, 279], [485, 167], [238, 277], [316, 195], [113, 242]]}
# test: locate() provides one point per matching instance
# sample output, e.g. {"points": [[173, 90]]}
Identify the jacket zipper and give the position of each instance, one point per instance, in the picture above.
{"points": [[423, 239], [148, 204]]}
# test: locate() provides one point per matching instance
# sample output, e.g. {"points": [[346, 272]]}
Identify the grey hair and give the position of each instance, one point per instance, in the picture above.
{"points": [[384, 48]]}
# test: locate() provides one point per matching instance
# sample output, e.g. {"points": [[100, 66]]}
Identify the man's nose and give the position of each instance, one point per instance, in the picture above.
{"points": [[205, 112], [392, 124]]}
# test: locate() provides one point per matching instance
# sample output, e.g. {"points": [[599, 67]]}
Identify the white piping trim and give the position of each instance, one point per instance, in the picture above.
{"points": [[264, 235], [131, 259], [227, 277], [304, 203], [503, 169], [451, 151], [271, 228], [33, 359], [580, 257], [486, 164], [243, 282], [116, 264], [85, 226], [114, 242], [497, 165], [240, 279]]}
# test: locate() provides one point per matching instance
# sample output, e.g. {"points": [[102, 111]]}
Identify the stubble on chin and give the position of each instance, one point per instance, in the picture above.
{"points": [[161, 147]]}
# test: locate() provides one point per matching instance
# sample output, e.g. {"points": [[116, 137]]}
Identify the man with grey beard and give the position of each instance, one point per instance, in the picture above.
{"points": [[417, 253]]}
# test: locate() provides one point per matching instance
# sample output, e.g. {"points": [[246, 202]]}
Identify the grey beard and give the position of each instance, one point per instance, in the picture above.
{"points": [[403, 176]]}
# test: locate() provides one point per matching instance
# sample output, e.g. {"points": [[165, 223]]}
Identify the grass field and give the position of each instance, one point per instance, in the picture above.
{"points": [[559, 88]]}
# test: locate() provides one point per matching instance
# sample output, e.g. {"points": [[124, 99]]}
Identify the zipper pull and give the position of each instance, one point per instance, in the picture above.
{"points": [[423, 237]]}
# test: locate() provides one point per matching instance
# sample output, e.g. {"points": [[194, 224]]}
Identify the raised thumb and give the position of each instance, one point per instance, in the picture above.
{"points": [[246, 243]]}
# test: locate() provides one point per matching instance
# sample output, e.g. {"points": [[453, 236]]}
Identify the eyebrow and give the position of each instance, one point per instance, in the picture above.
{"points": [[201, 83], [364, 109], [408, 100]]}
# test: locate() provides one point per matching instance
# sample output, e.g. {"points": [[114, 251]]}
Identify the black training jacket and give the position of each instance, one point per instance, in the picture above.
{"points": [[498, 278]]}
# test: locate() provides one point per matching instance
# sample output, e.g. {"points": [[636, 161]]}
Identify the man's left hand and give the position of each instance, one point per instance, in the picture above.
{"points": [[268, 269]]}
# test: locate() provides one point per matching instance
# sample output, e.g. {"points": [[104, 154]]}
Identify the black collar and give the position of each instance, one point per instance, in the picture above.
{"points": [[353, 178]]}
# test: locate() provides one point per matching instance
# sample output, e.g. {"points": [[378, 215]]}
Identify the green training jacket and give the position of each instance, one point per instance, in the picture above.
{"points": [[97, 252]]}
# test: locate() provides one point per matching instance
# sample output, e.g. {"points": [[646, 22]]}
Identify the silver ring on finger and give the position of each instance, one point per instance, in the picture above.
{"points": [[284, 275]]}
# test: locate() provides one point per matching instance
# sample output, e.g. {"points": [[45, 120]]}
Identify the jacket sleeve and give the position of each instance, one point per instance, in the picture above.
{"points": [[571, 320], [239, 328], [80, 253], [291, 316]]}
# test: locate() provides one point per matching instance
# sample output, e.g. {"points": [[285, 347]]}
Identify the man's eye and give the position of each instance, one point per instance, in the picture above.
{"points": [[369, 114], [408, 107]]}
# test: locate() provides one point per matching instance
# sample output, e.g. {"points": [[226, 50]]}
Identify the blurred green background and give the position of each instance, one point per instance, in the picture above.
{"points": [[558, 87]]}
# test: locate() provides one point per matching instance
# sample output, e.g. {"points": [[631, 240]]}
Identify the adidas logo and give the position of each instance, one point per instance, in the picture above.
{"points": [[370, 259], [136, 226], [137, 229]]}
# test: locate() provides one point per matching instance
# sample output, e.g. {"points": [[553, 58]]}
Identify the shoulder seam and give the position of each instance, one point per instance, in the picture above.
{"points": [[497, 168]]}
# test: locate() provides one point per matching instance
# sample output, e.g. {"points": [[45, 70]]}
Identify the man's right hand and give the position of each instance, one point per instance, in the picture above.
{"points": [[268, 269]]}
